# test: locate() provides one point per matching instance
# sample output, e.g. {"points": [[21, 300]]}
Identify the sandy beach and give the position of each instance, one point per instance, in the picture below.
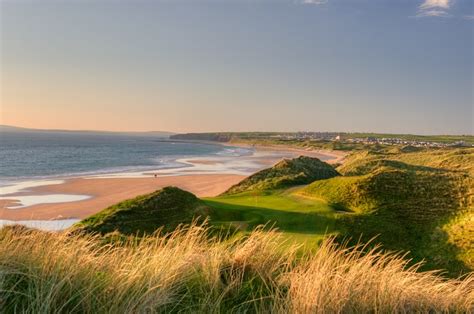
{"points": [[206, 177], [105, 192]]}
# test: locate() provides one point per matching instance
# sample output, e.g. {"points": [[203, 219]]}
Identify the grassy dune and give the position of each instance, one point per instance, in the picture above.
{"points": [[417, 201], [165, 208], [286, 173], [187, 271]]}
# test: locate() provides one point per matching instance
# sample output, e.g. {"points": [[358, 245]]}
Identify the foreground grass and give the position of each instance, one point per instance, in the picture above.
{"points": [[187, 271]]}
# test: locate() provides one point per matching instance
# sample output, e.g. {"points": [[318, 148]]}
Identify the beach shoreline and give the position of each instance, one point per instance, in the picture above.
{"points": [[104, 192], [336, 156], [206, 176]]}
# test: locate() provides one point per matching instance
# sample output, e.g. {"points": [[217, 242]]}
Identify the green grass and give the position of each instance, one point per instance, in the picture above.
{"points": [[298, 219], [450, 159], [413, 201], [165, 208], [342, 193], [460, 234], [286, 173]]}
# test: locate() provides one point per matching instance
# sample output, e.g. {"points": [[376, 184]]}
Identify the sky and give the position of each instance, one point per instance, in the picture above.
{"points": [[396, 66]]}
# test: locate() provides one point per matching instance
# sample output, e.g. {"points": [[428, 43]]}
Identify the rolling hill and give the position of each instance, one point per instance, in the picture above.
{"points": [[421, 201], [165, 208], [286, 173]]}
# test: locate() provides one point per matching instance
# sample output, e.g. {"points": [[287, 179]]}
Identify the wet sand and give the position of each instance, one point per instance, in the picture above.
{"points": [[106, 192]]}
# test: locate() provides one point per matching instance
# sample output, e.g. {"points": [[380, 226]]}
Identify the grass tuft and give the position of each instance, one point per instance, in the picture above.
{"points": [[186, 271]]}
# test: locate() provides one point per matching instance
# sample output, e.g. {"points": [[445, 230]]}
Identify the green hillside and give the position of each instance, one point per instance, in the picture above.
{"points": [[165, 208], [286, 173], [460, 159], [416, 194], [419, 201]]}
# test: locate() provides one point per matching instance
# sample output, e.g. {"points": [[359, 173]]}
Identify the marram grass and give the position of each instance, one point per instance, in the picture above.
{"points": [[186, 271]]}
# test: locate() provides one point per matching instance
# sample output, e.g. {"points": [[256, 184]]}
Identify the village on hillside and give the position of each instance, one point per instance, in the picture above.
{"points": [[348, 137]]}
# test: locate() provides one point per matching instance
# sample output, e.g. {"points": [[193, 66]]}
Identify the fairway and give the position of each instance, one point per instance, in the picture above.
{"points": [[301, 220]]}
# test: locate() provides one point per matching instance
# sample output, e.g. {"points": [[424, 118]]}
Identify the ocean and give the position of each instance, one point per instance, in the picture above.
{"points": [[42, 155]]}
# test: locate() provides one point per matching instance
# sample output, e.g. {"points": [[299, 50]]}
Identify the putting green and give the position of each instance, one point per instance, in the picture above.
{"points": [[299, 219]]}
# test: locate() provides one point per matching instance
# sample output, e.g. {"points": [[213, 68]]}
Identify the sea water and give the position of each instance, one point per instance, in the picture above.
{"points": [[26, 156], [32, 159]]}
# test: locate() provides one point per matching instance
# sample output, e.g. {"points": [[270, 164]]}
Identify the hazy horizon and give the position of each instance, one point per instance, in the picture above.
{"points": [[231, 66], [210, 131]]}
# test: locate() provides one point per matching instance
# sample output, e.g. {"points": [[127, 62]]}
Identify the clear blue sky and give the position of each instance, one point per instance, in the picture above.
{"points": [[403, 66]]}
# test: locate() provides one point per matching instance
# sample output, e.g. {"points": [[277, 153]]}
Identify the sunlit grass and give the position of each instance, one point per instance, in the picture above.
{"points": [[186, 271], [299, 220]]}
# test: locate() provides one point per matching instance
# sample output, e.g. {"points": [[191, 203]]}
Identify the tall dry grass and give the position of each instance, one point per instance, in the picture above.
{"points": [[186, 271]]}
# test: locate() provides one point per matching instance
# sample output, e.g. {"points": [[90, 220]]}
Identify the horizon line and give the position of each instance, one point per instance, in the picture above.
{"points": [[203, 132]]}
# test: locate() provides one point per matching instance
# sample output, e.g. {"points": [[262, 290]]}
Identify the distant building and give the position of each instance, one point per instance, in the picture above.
{"points": [[459, 143]]}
